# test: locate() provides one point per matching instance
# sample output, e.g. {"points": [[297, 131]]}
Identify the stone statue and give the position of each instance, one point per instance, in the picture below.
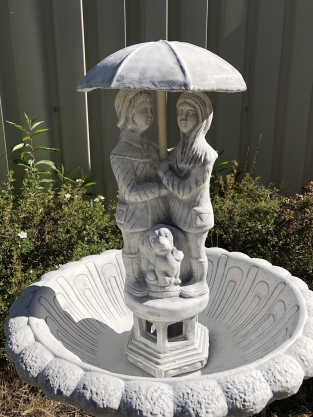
{"points": [[159, 199], [162, 273], [135, 160], [186, 174]]}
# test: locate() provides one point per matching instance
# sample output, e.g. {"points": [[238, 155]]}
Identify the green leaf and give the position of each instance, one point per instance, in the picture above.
{"points": [[223, 163], [43, 172], [89, 184], [58, 174], [87, 179], [20, 162], [23, 154], [57, 171], [47, 180], [46, 162], [40, 131], [36, 124], [33, 120], [72, 170], [18, 126], [68, 179], [19, 146], [48, 149], [28, 121], [25, 138]]}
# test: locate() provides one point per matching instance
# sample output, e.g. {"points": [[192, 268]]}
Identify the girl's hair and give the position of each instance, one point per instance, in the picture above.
{"points": [[125, 103]]}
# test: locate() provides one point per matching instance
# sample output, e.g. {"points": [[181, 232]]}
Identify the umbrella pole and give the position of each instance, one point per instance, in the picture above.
{"points": [[161, 108]]}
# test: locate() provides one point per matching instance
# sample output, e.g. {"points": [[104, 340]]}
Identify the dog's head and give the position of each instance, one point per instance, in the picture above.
{"points": [[158, 242]]}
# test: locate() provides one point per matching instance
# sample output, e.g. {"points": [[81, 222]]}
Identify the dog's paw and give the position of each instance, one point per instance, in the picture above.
{"points": [[164, 281]]}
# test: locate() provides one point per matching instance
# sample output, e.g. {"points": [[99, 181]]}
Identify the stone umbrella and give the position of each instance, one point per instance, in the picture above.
{"points": [[164, 66]]}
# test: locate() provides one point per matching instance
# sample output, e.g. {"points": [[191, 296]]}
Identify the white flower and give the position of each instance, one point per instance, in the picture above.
{"points": [[79, 180], [96, 200], [31, 271], [67, 195], [101, 197], [22, 235]]}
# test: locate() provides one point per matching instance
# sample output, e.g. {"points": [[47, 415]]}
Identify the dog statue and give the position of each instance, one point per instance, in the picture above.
{"points": [[163, 271]]}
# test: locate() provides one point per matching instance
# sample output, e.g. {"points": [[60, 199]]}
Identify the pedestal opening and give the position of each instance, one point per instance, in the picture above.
{"points": [[175, 330]]}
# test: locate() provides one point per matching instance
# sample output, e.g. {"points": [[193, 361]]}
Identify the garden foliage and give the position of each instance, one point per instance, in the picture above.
{"points": [[43, 229], [46, 224], [261, 222]]}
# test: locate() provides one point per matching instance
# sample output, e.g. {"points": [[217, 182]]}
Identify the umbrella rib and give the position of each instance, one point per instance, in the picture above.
{"points": [[132, 53], [182, 65]]}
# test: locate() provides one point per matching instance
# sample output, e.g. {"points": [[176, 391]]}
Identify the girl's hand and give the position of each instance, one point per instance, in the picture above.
{"points": [[163, 191], [163, 168]]}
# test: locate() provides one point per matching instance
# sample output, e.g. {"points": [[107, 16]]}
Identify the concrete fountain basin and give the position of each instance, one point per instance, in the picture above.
{"points": [[68, 331]]}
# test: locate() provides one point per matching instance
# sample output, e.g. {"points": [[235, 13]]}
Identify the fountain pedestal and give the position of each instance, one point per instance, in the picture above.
{"points": [[166, 338]]}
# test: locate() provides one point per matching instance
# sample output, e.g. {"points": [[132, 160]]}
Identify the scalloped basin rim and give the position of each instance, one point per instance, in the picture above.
{"points": [[259, 318]]}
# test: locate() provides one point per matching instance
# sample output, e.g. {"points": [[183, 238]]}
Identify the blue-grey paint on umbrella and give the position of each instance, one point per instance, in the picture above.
{"points": [[164, 65]]}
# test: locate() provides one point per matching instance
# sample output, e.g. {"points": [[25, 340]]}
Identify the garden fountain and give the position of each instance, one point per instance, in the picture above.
{"points": [[164, 327]]}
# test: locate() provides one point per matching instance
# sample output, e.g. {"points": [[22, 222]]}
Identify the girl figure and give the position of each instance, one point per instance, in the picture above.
{"points": [[135, 161], [186, 174]]}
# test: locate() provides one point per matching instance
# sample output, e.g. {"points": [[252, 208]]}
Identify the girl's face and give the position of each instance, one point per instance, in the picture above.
{"points": [[187, 117], [143, 116]]}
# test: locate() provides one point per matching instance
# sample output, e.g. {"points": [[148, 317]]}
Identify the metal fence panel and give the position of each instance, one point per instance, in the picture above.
{"points": [[266, 25], [296, 97], [70, 66], [24, 68], [227, 29], [46, 47]]}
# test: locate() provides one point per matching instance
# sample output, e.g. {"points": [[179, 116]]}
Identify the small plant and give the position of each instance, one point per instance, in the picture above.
{"points": [[27, 157], [28, 161]]}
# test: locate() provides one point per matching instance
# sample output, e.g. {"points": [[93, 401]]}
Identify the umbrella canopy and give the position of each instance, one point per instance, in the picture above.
{"points": [[164, 65]]}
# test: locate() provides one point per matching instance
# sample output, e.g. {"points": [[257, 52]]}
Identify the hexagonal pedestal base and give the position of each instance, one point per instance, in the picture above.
{"points": [[168, 349]]}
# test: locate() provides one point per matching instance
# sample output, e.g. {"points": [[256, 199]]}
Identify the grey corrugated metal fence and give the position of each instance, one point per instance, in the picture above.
{"points": [[46, 47]]}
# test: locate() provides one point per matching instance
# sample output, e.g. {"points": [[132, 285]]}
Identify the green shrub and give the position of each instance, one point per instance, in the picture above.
{"points": [[48, 222], [260, 222], [42, 229], [294, 228]]}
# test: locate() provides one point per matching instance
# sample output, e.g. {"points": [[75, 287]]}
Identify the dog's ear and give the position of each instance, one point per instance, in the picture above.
{"points": [[147, 248], [178, 254]]}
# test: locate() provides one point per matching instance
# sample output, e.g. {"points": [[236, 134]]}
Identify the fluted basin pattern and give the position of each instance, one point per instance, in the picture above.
{"points": [[68, 331]]}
